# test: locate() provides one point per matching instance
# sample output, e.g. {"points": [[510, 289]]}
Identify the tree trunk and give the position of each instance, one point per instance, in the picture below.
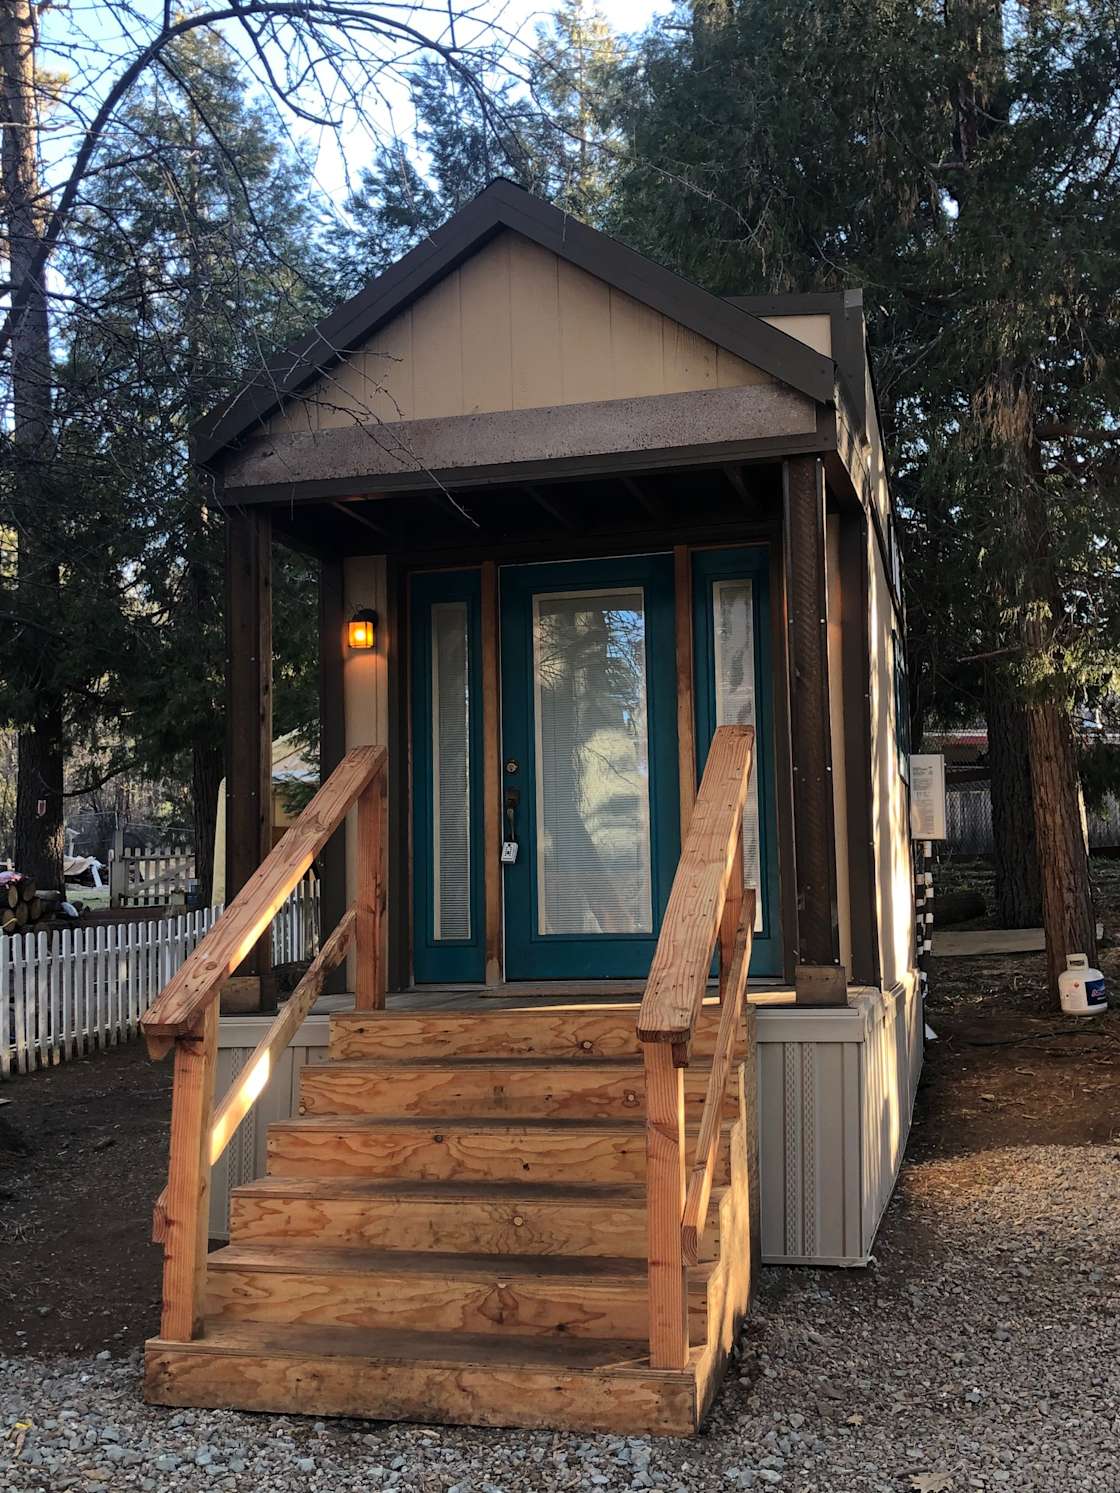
{"points": [[207, 766], [38, 826], [1018, 884], [1063, 854], [1066, 899]]}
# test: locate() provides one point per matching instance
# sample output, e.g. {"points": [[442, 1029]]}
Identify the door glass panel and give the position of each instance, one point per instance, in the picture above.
{"points": [[733, 606], [451, 825], [592, 762]]}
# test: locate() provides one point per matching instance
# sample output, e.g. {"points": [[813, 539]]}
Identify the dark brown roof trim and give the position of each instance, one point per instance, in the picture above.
{"points": [[845, 310], [505, 206]]}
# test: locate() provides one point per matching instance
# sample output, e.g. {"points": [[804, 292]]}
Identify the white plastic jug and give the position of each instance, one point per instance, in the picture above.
{"points": [[1081, 989]]}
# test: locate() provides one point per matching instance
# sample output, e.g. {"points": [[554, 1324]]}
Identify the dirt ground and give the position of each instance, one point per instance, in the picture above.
{"points": [[83, 1156], [83, 1146]]}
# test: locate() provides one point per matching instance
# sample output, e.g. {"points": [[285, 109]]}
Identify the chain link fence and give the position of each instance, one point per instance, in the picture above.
{"points": [[969, 822]]}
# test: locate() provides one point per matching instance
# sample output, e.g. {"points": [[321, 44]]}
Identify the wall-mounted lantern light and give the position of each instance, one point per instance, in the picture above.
{"points": [[361, 630]]}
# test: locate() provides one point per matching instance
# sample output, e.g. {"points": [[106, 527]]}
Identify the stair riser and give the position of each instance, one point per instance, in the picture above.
{"points": [[504, 1034], [584, 1156], [449, 1228], [583, 1308], [529, 1093], [483, 1395]]}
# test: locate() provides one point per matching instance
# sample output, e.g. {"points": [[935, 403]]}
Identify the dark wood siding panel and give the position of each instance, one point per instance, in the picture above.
{"points": [[248, 708], [818, 949]]}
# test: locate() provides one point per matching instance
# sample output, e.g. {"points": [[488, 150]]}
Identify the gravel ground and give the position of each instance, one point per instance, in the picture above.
{"points": [[978, 1352]]}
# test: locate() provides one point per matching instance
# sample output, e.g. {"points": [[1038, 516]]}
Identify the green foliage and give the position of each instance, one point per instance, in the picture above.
{"points": [[554, 132], [189, 263], [960, 163]]}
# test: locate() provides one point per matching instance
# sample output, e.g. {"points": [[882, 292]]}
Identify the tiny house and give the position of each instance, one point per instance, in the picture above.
{"points": [[612, 679]]}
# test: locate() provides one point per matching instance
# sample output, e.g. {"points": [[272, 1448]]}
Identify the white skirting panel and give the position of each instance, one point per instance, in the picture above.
{"points": [[836, 1093], [246, 1156]]}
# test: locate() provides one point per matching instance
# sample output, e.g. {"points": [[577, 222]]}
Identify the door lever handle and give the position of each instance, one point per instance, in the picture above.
{"points": [[509, 846]]}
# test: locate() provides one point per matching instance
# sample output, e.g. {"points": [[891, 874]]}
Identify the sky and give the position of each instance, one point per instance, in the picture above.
{"points": [[96, 38]]}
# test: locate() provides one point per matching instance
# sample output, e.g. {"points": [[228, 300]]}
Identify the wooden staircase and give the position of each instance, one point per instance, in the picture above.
{"points": [[454, 1228], [536, 1217]]}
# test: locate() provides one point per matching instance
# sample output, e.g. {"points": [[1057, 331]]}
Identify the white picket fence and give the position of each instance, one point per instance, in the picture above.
{"points": [[295, 928], [67, 992]]}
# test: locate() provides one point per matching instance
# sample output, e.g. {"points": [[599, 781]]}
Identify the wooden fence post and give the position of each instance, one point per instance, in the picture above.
{"points": [[665, 1187], [118, 870], [185, 1223]]}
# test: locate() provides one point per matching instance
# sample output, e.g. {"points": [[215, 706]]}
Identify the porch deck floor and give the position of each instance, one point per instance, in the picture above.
{"points": [[556, 995]]}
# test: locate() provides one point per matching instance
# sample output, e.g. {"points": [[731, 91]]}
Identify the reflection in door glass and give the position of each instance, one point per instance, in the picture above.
{"points": [[733, 626], [592, 767], [451, 828]]}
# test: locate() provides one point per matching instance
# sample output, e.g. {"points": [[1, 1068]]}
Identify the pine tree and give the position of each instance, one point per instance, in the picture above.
{"points": [[961, 164], [190, 262], [553, 133], [576, 78]]}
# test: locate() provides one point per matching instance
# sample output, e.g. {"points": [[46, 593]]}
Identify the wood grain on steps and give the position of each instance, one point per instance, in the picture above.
{"points": [[385, 1289], [604, 1152], [583, 1384], [491, 1217], [575, 1033], [536, 1087]]}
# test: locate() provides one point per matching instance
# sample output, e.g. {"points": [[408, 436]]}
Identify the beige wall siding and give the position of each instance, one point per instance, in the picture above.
{"points": [[890, 800], [515, 327], [876, 460], [365, 686], [836, 707], [814, 329], [892, 1064]]}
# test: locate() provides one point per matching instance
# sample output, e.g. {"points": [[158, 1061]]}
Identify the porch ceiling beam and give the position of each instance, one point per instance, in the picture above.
{"points": [[660, 429], [653, 505], [348, 511], [553, 506], [734, 479]]}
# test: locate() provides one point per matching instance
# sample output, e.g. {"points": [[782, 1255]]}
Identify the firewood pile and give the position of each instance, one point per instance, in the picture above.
{"points": [[22, 904]]}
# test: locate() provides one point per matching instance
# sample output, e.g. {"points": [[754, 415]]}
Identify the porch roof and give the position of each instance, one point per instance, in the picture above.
{"points": [[502, 206]]}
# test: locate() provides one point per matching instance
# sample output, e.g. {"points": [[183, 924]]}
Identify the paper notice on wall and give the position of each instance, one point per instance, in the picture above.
{"points": [[927, 796]]}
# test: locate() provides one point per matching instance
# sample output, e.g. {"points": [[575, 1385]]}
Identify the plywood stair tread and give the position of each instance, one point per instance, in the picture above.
{"points": [[499, 1014], [383, 1189], [497, 1123], [343, 1259], [473, 1062], [443, 1349]]}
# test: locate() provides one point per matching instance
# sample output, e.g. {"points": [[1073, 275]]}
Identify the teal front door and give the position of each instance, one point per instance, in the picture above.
{"points": [[588, 777], [732, 685], [590, 787]]}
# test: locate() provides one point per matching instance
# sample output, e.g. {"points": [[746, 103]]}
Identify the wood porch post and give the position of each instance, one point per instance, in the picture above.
{"points": [[332, 747], [819, 977], [856, 649], [249, 723]]}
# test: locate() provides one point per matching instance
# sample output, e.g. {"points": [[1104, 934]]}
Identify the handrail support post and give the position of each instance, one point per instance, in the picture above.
{"points": [[369, 975], [729, 922], [665, 1186], [186, 1215]]}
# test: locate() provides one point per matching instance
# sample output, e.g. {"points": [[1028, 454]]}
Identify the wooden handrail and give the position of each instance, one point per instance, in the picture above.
{"points": [[253, 1078], [189, 993], [185, 1017], [678, 975], [706, 904], [711, 1122]]}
